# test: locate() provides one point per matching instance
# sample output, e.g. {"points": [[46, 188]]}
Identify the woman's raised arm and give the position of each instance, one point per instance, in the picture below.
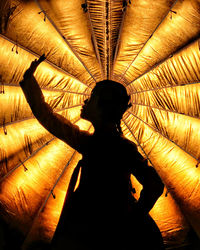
{"points": [[53, 122]]}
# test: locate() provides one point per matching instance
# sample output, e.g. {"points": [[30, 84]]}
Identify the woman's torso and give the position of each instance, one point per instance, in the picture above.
{"points": [[105, 175]]}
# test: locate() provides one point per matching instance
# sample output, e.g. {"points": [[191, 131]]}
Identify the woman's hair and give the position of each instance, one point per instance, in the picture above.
{"points": [[113, 100]]}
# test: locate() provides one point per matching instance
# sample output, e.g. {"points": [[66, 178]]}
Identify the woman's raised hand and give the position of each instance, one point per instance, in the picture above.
{"points": [[31, 70]]}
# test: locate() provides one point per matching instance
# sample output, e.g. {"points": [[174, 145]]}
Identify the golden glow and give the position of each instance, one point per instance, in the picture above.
{"points": [[35, 181], [77, 33], [41, 37], [140, 21], [149, 46], [187, 71], [169, 36]]}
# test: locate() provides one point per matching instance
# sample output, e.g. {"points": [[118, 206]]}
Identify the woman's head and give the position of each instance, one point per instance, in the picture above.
{"points": [[108, 102]]}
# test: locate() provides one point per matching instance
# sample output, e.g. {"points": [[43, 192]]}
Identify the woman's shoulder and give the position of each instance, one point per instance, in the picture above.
{"points": [[129, 146]]}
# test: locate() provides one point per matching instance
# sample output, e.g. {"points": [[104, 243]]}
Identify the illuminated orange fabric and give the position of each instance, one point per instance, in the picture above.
{"points": [[152, 48]]}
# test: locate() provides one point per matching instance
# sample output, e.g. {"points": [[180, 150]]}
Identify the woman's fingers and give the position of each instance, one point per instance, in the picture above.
{"points": [[36, 63], [42, 58]]}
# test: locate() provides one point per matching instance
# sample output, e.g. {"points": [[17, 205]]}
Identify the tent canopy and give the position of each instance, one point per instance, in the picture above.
{"points": [[152, 48]]}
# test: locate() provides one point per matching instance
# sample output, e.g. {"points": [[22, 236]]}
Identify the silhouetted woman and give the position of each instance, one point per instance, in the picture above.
{"points": [[102, 212]]}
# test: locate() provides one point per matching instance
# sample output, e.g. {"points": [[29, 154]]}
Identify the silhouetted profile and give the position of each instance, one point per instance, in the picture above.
{"points": [[101, 213]]}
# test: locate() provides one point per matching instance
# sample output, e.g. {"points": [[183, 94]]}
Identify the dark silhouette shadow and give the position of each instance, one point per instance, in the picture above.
{"points": [[101, 212]]}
